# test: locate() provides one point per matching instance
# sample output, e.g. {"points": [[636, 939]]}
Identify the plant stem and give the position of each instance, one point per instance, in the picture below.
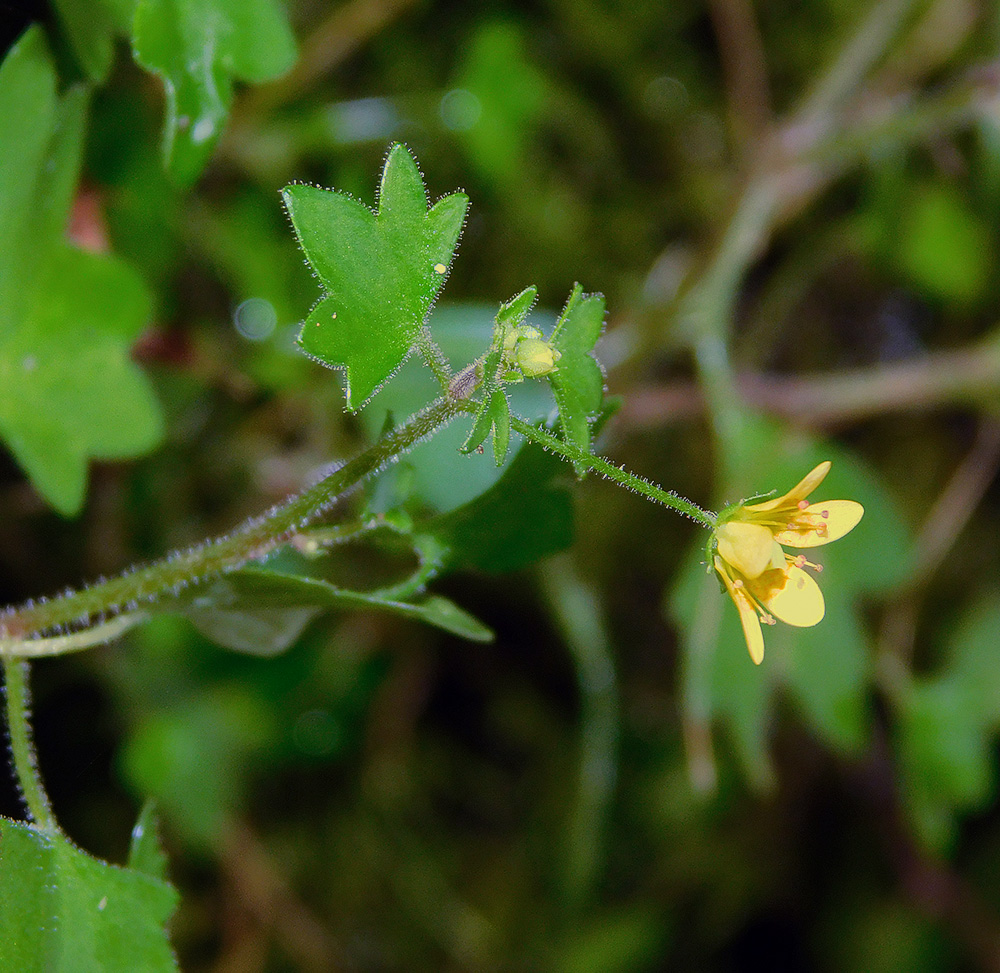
{"points": [[253, 540], [608, 470], [434, 357], [36, 801]]}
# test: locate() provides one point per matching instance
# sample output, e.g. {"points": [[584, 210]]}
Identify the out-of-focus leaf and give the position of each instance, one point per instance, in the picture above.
{"points": [[145, 855], [577, 382], [381, 270], [947, 724], [508, 93], [521, 518], [65, 912], [943, 245], [615, 943], [198, 47], [68, 390], [254, 598], [269, 631], [443, 477], [89, 27], [191, 754]]}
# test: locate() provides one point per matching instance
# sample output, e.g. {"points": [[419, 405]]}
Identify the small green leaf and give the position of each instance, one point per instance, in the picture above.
{"points": [[577, 383], [493, 414], [500, 411], [381, 270], [198, 47], [64, 912]]}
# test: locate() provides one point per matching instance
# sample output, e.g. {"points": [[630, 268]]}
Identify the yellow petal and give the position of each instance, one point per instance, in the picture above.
{"points": [[800, 491], [797, 602], [748, 615], [821, 523], [747, 547]]}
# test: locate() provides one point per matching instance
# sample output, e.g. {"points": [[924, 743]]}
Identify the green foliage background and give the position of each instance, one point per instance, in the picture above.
{"points": [[610, 785]]}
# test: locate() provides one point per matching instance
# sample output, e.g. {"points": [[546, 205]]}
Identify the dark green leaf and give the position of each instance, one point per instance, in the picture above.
{"points": [[198, 47], [62, 911], [89, 27], [947, 724], [381, 270], [254, 593], [522, 518]]}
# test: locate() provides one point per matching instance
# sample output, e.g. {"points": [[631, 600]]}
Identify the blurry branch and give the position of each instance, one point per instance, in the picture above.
{"points": [[267, 896], [964, 377], [857, 57], [742, 56], [582, 625], [347, 27], [957, 502], [947, 519]]}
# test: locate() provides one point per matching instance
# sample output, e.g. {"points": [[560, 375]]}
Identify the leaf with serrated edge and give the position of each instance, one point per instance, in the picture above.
{"points": [[381, 270]]}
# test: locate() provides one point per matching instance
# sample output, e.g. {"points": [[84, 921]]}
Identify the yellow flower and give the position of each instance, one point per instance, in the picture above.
{"points": [[764, 582]]}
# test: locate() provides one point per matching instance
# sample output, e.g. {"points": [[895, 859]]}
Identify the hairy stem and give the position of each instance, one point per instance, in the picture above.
{"points": [[608, 470], [35, 799], [251, 541]]}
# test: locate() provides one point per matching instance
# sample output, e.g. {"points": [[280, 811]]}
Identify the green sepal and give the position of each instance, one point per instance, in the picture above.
{"points": [[514, 311], [578, 383], [494, 413], [500, 411]]}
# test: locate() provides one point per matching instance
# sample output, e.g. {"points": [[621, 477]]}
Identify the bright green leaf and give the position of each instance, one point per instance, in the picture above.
{"points": [[64, 912], [381, 270], [68, 389], [514, 311], [198, 47], [943, 245]]}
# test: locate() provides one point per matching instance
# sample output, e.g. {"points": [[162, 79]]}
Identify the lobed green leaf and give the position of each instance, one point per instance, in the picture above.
{"points": [[381, 270]]}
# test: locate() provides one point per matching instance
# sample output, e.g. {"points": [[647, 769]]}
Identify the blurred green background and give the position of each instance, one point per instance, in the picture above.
{"points": [[610, 785]]}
